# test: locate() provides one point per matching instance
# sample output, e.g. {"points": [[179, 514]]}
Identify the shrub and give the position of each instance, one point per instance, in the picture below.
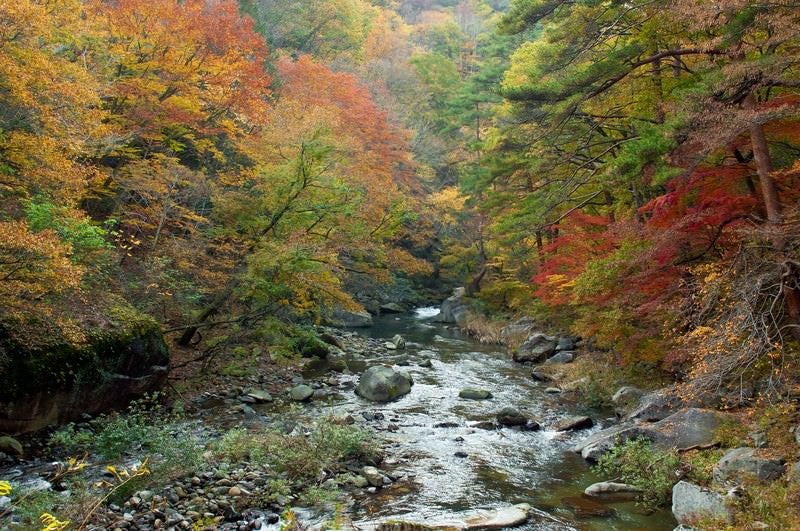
{"points": [[638, 463], [699, 465]]}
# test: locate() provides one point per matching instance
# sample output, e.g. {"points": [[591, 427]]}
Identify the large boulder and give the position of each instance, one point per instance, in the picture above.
{"points": [[626, 399], [656, 406], [740, 463], [535, 349], [383, 384], [455, 308], [343, 318], [685, 429], [692, 504], [516, 332], [48, 380]]}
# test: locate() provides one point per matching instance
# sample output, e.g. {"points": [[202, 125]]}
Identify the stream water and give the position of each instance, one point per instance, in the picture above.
{"points": [[501, 467]]}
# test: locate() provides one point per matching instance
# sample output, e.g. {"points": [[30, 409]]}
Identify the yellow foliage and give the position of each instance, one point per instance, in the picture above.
{"points": [[5, 488], [51, 523]]}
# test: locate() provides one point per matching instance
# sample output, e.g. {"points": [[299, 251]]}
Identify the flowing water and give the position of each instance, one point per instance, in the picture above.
{"points": [[501, 467]]}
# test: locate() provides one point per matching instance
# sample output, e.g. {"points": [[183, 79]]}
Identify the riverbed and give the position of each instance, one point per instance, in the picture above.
{"points": [[450, 468]]}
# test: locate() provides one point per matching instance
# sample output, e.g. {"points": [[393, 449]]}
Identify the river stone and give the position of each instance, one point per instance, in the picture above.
{"points": [[502, 518], [738, 463], [392, 307], [301, 393], [426, 364], [611, 488], [475, 394], [552, 390], [656, 406], [692, 504], [485, 425], [10, 445], [574, 423], [373, 476], [509, 416], [259, 395], [540, 376], [383, 384], [536, 348], [398, 342], [561, 357]]}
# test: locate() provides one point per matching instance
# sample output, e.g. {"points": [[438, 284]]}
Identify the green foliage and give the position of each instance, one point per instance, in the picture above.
{"points": [[85, 236], [146, 425], [731, 433], [639, 463], [700, 465]]}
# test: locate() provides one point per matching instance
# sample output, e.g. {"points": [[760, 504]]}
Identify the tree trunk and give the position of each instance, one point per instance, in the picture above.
{"points": [[211, 310], [772, 205]]}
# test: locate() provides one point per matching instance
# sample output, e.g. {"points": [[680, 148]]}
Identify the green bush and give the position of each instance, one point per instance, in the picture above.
{"points": [[637, 462]]}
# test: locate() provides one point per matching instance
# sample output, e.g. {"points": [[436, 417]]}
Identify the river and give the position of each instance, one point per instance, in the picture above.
{"points": [[501, 467]]}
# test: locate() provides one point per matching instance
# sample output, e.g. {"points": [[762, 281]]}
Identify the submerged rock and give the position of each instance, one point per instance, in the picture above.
{"points": [[475, 394], [611, 488], [383, 384]]}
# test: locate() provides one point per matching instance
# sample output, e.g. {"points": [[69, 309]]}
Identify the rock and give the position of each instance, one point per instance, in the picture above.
{"points": [[759, 439], [657, 405], [234, 491], [485, 425], [574, 423], [536, 348], [47, 380], [446, 425], [739, 463], [552, 390], [540, 376], [383, 384], [475, 394], [531, 425], [461, 455], [360, 482], [499, 518], [565, 344], [692, 504], [585, 507], [611, 488], [454, 309], [509, 416], [398, 342], [426, 364], [688, 427], [392, 307], [797, 434], [626, 399], [373, 476], [684, 429], [516, 332], [341, 318], [561, 357], [10, 445], [259, 395], [794, 473], [301, 393], [331, 339]]}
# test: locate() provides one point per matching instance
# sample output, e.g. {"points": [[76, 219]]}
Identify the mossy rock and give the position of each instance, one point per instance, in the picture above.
{"points": [[50, 379]]}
